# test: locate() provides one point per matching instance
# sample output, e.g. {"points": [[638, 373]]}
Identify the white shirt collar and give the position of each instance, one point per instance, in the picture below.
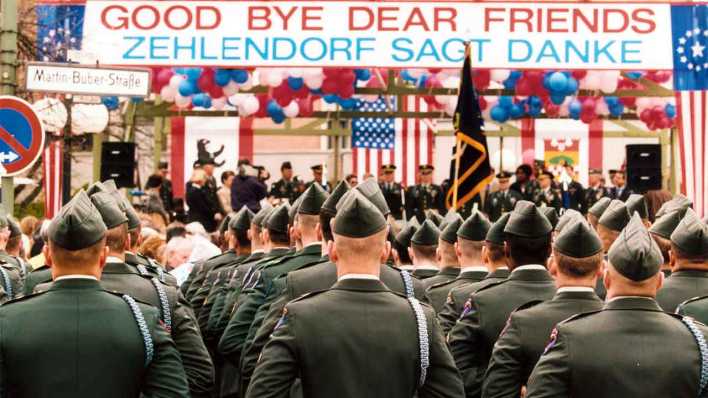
{"points": [[258, 251], [427, 266], [358, 276], [575, 289], [476, 268], [529, 266], [407, 267], [112, 259], [506, 268], [623, 297], [76, 276]]}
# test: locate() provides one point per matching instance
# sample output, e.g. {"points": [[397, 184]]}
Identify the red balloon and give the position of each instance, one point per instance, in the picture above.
{"points": [[552, 110], [481, 78], [645, 116], [216, 92], [433, 82], [346, 91], [587, 117], [303, 92], [330, 86], [482, 103], [333, 72], [629, 102], [579, 74], [434, 70], [206, 80], [524, 86], [347, 78], [263, 104], [588, 105], [305, 105]]}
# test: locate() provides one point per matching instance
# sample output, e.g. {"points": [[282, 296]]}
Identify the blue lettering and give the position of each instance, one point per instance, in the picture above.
{"points": [[428, 50], [226, 46], [513, 55], [192, 48], [548, 50], [480, 48], [129, 53], [262, 52], [304, 46], [396, 47], [154, 46], [282, 43], [604, 50], [459, 50], [626, 50], [345, 48], [584, 56], [202, 50], [360, 46]]}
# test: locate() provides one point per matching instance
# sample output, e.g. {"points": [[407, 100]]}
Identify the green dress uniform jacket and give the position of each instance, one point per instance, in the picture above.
{"points": [[326, 340], [499, 203], [282, 189], [393, 193], [420, 198], [16, 262], [592, 195], [174, 312], [11, 281], [681, 286], [629, 349], [446, 274], [424, 273], [39, 276], [197, 289], [486, 311], [147, 266], [696, 308], [524, 338], [85, 342], [576, 197], [457, 297], [436, 294], [550, 198]]}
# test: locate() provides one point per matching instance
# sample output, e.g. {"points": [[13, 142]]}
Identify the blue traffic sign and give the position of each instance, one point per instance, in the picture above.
{"points": [[21, 135]]}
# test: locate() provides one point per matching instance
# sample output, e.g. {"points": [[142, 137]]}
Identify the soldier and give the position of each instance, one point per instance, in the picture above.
{"points": [[677, 202], [425, 195], [502, 201], [447, 258], [661, 231], [671, 349], [611, 223], [689, 262], [596, 189], [423, 250], [551, 215], [696, 308], [166, 194], [318, 176], [573, 189], [596, 210], [547, 194], [401, 244], [619, 191], [575, 266], [528, 240], [392, 191], [111, 345], [636, 203], [284, 188], [360, 246], [468, 241], [11, 280], [523, 185], [495, 262]]}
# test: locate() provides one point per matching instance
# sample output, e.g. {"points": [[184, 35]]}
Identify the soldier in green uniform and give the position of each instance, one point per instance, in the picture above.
{"points": [[524, 184], [547, 194], [636, 202], [285, 188], [425, 195], [12, 254], [331, 322], [652, 353], [399, 248], [689, 262], [551, 215], [468, 240], [612, 222], [502, 201], [575, 266], [677, 202], [11, 281], [448, 261], [595, 190], [392, 191], [102, 344], [528, 240], [423, 250], [493, 258], [318, 177], [661, 231], [595, 211]]}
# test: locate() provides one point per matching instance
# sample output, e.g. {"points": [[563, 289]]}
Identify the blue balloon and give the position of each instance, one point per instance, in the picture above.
{"points": [[206, 102], [331, 98], [295, 83], [179, 71], [611, 100], [571, 86], [514, 75], [222, 77], [558, 82], [516, 111], [111, 103], [499, 114], [193, 73], [362, 74], [277, 119], [546, 81], [616, 109], [240, 76], [557, 99], [422, 80], [273, 109], [670, 110], [506, 102], [199, 99], [316, 92], [534, 111], [348, 103], [634, 75], [574, 109], [406, 76], [185, 88], [535, 101]]}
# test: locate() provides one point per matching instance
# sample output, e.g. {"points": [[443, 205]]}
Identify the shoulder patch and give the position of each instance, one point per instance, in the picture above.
{"points": [[283, 320], [551, 341]]}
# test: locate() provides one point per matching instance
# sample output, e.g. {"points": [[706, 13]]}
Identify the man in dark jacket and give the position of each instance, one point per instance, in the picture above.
{"points": [[247, 189]]}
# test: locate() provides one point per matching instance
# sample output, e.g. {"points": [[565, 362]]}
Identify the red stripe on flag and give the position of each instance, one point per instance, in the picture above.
{"points": [[404, 141], [245, 146], [177, 155], [595, 137], [528, 140], [51, 167], [679, 110], [693, 142], [355, 161], [379, 161], [367, 158], [417, 136]]}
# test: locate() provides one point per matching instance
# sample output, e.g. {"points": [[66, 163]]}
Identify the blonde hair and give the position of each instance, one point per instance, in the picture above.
{"points": [[198, 175], [154, 247]]}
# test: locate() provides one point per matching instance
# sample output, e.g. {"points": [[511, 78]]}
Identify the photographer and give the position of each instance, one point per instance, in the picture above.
{"points": [[248, 187]]}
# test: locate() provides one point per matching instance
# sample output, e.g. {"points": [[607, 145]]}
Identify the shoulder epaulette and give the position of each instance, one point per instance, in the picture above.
{"points": [[42, 268], [6, 282], [579, 316], [308, 295], [440, 284], [25, 297], [528, 305], [491, 285], [692, 299]]}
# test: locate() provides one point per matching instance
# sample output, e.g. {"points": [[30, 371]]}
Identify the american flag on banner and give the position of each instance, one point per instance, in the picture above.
{"points": [[52, 159], [690, 40], [412, 141]]}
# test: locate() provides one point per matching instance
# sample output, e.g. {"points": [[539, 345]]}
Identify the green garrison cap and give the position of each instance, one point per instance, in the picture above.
{"points": [[294, 208], [224, 226], [578, 239], [449, 233], [475, 227], [14, 228], [133, 217], [78, 225], [312, 200], [636, 202], [241, 220], [615, 216], [551, 215], [434, 217], [450, 216], [600, 206], [414, 221], [357, 217], [4, 221], [635, 254], [568, 216], [96, 187], [427, 235], [110, 185], [677, 202], [691, 235], [329, 206], [496, 231], [111, 213], [372, 191], [404, 236], [665, 225], [527, 221], [277, 220], [261, 215]]}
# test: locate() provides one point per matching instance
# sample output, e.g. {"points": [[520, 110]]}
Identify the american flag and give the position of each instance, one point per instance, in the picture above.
{"points": [[52, 159], [412, 143]]}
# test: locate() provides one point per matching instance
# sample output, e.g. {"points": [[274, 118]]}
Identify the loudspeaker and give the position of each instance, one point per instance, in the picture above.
{"points": [[118, 163], [644, 167]]}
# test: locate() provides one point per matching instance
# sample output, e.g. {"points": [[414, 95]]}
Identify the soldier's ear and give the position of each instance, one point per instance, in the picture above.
{"points": [[660, 280], [47, 255], [672, 259], [458, 252], [411, 254], [332, 251], [386, 252]]}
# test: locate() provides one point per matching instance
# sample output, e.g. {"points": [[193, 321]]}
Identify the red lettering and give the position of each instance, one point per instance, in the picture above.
{"points": [[416, 18], [120, 22], [385, 14], [440, 18], [608, 26], [201, 20], [366, 12], [591, 26], [259, 13], [648, 21], [552, 18], [311, 14], [285, 17], [488, 18], [151, 10], [170, 23], [521, 16]]}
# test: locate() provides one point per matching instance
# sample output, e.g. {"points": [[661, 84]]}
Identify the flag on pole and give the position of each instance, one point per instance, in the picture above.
{"points": [[413, 142], [470, 171], [52, 159]]}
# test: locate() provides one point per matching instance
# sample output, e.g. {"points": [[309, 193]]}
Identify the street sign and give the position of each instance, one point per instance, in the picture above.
{"points": [[21, 135], [88, 80]]}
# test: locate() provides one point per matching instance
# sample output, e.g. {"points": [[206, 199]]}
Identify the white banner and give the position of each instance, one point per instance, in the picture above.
{"points": [[379, 34], [77, 79]]}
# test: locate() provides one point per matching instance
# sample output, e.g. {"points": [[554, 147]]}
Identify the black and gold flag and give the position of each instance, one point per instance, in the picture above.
{"points": [[471, 173]]}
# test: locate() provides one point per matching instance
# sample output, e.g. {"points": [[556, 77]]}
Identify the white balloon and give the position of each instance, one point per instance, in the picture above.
{"points": [[312, 72], [274, 78], [249, 106], [175, 80], [52, 113], [247, 85], [601, 108], [292, 110], [499, 75], [218, 103], [296, 72], [451, 82], [643, 103], [237, 99], [231, 88], [609, 81], [505, 158], [88, 118], [450, 108], [168, 93], [314, 82], [182, 102], [592, 81]]}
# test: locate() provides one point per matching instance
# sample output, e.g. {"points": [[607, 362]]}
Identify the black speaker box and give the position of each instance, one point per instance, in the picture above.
{"points": [[644, 167], [118, 163]]}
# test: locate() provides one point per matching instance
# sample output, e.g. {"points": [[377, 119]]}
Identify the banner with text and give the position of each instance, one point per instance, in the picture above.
{"points": [[381, 34]]}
